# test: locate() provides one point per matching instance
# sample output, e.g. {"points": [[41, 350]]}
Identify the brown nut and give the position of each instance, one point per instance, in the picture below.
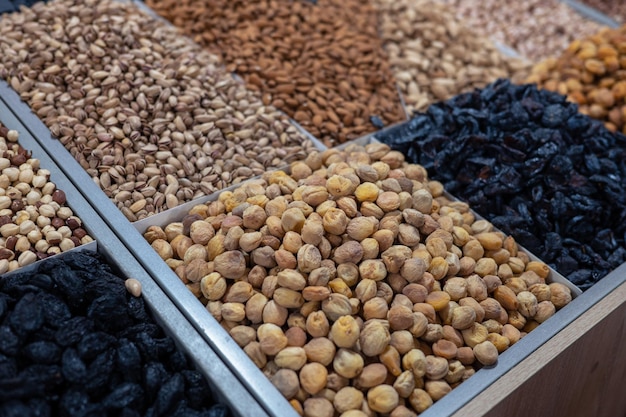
{"points": [[286, 381], [506, 297], [486, 353], [320, 349], [382, 398], [475, 334], [313, 377], [420, 400], [545, 310], [374, 338], [345, 332], [348, 398], [372, 375], [560, 295], [348, 363], [527, 303], [272, 339]]}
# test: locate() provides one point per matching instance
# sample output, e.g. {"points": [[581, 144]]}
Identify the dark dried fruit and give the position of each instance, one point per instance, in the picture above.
{"points": [[169, 395], [126, 394], [527, 161], [73, 368], [42, 352], [62, 355], [27, 315], [93, 344]]}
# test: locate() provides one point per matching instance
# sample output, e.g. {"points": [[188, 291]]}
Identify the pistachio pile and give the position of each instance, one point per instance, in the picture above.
{"points": [[435, 56], [154, 119], [355, 284], [592, 73], [34, 221]]}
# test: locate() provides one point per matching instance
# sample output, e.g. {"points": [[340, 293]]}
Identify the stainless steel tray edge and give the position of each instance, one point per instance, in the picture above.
{"points": [[227, 388]]}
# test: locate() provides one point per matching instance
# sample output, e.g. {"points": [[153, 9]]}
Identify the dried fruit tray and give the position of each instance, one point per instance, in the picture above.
{"points": [[217, 338], [226, 387]]}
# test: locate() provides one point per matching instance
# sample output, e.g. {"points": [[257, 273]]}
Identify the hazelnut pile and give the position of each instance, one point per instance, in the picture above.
{"points": [[355, 285], [34, 221]]}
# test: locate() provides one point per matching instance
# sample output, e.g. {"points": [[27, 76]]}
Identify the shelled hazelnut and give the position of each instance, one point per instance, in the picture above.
{"points": [[34, 221]]}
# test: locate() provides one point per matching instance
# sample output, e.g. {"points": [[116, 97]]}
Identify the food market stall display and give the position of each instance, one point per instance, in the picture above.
{"points": [[349, 281]]}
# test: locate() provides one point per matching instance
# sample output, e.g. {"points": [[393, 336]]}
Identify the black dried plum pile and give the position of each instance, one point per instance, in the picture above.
{"points": [[527, 161], [74, 343]]}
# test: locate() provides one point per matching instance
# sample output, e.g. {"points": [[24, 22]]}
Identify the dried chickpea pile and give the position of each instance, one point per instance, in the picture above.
{"points": [[435, 56], [34, 221], [355, 285], [592, 73]]}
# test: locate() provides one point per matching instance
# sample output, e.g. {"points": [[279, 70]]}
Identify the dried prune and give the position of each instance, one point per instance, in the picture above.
{"points": [[99, 372], [27, 315], [128, 360], [177, 361], [526, 160], [109, 312], [68, 283], [56, 311], [42, 352], [76, 403], [72, 330], [151, 347], [9, 342], [14, 408], [125, 395], [73, 368], [154, 375], [218, 410], [89, 350], [137, 309], [198, 390], [4, 305], [92, 344], [8, 367], [169, 395]]}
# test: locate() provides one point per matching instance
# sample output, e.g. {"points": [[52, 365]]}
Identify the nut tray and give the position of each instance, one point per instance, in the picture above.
{"points": [[263, 391], [227, 388], [219, 340]]}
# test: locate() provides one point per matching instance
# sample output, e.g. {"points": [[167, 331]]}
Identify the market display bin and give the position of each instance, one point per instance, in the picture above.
{"points": [[511, 363], [226, 388]]}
